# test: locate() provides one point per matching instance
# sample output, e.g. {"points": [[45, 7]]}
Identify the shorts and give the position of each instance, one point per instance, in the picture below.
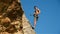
{"points": [[35, 16]]}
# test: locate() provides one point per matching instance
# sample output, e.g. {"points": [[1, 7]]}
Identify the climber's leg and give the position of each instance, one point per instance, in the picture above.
{"points": [[34, 22]]}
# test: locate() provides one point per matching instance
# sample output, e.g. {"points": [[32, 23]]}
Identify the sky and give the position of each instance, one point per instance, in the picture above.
{"points": [[49, 18]]}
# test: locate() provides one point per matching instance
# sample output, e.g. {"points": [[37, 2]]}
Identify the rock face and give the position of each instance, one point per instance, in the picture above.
{"points": [[13, 19], [27, 28]]}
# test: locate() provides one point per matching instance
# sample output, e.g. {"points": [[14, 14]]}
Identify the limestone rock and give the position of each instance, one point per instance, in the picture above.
{"points": [[27, 28], [13, 19]]}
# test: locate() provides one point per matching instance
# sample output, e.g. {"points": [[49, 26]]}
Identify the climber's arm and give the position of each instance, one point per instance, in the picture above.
{"points": [[38, 11]]}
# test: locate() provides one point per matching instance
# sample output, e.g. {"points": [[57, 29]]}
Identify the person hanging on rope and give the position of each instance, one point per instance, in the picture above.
{"points": [[36, 13]]}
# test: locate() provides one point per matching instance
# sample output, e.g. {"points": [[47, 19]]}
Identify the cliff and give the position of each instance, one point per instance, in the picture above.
{"points": [[13, 19]]}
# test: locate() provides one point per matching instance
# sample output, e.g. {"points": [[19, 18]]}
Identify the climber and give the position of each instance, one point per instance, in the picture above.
{"points": [[36, 13]]}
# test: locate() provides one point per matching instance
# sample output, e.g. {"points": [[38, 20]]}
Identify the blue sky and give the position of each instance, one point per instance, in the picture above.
{"points": [[49, 19]]}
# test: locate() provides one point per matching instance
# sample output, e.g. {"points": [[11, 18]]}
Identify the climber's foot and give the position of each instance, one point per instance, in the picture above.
{"points": [[33, 28]]}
